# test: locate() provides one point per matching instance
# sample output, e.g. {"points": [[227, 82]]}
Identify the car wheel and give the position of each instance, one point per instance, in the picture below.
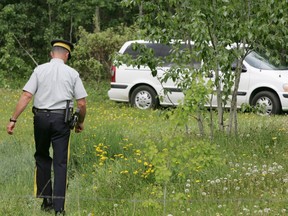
{"points": [[144, 97], [268, 101]]}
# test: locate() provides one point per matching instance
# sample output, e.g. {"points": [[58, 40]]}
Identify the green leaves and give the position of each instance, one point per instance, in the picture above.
{"points": [[93, 52], [179, 157]]}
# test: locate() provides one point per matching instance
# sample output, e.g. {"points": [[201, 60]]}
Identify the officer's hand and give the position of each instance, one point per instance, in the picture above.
{"points": [[79, 127], [10, 127]]}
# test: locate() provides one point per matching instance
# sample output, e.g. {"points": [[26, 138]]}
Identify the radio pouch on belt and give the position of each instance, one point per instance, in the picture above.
{"points": [[68, 112]]}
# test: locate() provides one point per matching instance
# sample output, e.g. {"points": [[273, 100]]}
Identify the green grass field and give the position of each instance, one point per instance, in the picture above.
{"points": [[133, 162]]}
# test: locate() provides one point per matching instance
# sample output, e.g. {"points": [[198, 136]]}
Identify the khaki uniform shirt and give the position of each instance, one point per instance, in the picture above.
{"points": [[53, 83]]}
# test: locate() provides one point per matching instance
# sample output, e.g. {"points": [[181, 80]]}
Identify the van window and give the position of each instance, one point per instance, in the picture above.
{"points": [[160, 51], [259, 61]]}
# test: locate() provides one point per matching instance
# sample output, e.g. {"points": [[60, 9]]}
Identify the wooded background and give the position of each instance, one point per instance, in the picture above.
{"points": [[98, 28], [27, 27]]}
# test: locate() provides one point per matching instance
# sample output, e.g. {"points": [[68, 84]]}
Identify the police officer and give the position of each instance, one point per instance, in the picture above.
{"points": [[52, 84]]}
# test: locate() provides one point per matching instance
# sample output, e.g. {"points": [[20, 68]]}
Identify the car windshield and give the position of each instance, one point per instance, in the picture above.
{"points": [[259, 61]]}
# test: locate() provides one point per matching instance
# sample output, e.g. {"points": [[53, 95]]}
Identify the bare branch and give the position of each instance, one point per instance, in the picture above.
{"points": [[25, 50]]}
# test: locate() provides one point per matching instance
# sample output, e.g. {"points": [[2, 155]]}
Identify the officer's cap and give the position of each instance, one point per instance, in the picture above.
{"points": [[64, 44]]}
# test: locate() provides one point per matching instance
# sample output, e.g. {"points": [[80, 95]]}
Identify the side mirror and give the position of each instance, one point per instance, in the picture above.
{"points": [[233, 68], [244, 69]]}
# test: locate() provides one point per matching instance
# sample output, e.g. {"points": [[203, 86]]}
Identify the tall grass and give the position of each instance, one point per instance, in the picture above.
{"points": [[121, 164]]}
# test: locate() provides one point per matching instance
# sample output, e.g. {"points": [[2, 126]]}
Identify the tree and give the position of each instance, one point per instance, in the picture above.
{"points": [[213, 26]]}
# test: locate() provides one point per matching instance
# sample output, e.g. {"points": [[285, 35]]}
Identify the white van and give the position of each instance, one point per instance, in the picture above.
{"points": [[261, 83]]}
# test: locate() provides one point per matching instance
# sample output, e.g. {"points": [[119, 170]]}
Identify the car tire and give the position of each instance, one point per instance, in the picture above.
{"points": [[144, 97], [268, 99]]}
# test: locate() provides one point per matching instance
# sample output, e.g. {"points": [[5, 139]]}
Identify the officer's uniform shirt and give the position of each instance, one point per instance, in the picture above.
{"points": [[53, 83]]}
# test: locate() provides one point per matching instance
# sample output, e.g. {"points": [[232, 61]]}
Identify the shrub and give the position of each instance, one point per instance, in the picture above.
{"points": [[92, 54]]}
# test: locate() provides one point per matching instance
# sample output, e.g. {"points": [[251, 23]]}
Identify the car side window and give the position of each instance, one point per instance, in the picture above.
{"points": [[161, 51], [133, 53]]}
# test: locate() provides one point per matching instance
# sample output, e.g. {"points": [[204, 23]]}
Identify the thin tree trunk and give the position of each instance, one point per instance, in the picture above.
{"points": [[49, 13], [140, 9], [219, 100], [71, 28], [233, 121], [233, 109], [200, 123], [217, 77], [96, 19], [211, 120]]}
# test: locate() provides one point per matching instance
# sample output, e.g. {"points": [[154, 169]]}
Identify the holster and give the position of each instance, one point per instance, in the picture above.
{"points": [[68, 112]]}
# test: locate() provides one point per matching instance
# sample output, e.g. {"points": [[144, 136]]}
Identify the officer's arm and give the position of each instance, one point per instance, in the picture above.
{"points": [[81, 105], [20, 107]]}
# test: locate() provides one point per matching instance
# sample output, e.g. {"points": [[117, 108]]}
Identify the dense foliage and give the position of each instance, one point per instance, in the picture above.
{"points": [[94, 50], [27, 27]]}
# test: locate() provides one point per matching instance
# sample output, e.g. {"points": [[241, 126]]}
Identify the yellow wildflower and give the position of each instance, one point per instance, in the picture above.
{"points": [[124, 172]]}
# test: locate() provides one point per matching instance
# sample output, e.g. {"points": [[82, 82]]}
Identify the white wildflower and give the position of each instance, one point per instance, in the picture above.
{"points": [[245, 209], [264, 173]]}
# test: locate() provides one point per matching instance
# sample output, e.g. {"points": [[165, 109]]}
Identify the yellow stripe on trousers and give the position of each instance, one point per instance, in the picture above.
{"points": [[35, 181], [68, 157]]}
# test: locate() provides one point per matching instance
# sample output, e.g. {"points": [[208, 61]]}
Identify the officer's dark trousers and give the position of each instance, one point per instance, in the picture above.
{"points": [[49, 128]]}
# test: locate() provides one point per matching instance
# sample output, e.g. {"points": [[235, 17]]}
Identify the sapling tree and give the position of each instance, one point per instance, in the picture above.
{"points": [[223, 33]]}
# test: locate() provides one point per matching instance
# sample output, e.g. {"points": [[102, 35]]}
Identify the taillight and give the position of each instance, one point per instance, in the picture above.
{"points": [[113, 74]]}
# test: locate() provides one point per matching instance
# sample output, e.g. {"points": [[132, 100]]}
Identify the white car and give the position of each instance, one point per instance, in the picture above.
{"points": [[261, 83]]}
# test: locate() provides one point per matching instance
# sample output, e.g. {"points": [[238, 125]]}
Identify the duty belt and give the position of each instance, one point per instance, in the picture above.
{"points": [[58, 111]]}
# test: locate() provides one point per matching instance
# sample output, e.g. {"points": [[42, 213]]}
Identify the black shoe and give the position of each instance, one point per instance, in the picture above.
{"points": [[60, 212], [47, 204]]}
